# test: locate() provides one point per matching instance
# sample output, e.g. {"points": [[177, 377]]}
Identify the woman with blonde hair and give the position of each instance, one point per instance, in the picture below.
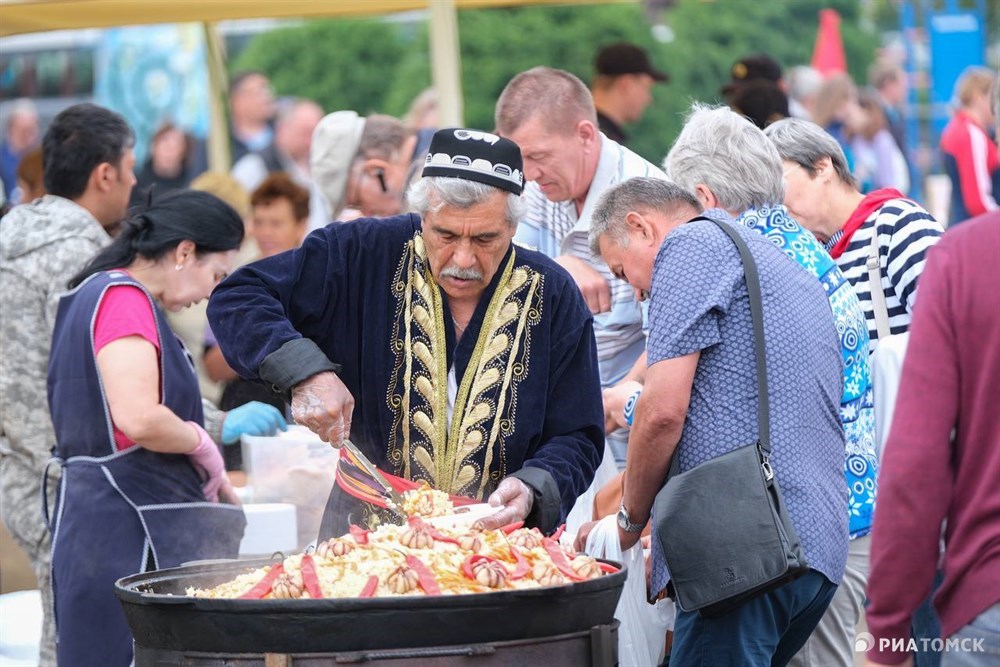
{"points": [[971, 159]]}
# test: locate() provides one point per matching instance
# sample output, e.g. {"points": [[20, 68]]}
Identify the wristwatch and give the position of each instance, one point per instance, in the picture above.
{"points": [[625, 523]]}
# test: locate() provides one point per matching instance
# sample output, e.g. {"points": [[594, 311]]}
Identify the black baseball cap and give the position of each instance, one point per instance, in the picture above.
{"points": [[624, 58], [752, 68]]}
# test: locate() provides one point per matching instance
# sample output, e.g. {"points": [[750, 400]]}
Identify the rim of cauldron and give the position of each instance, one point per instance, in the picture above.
{"points": [[128, 589]]}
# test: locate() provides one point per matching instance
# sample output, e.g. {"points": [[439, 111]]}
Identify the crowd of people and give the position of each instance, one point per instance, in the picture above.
{"points": [[492, 311]]}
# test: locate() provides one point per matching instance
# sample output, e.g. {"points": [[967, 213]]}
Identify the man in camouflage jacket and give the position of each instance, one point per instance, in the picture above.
{"points": [[88, 163]]}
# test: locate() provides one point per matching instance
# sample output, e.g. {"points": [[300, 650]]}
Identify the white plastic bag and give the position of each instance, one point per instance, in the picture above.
{"points": [[887, 367], [643, 626], [583, 510]]}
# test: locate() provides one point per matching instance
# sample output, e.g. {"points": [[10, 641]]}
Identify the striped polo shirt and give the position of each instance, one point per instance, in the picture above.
{"points": [[905, 233]]}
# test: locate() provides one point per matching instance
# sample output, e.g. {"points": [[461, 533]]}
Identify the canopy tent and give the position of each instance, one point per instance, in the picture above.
{"points": [[26, 16]]}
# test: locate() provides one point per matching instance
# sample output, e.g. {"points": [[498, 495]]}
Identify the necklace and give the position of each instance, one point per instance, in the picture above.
{"points": [[459, 329]]}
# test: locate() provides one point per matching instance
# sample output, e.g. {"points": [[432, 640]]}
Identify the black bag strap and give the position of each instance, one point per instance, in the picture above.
{"points": [[757, 315]]}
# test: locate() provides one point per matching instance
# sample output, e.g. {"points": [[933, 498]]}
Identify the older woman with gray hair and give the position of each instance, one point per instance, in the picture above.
{"points": [[883, 228]]}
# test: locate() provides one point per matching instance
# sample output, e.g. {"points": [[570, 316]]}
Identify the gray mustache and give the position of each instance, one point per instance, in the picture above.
{"points": [[461, 274]]}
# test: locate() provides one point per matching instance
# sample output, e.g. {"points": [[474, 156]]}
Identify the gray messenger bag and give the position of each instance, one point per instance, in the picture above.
{"points": [[723, 525]]}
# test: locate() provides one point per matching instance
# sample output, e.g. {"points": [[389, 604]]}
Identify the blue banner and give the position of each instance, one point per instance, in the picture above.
{"points": [[153, 74]]}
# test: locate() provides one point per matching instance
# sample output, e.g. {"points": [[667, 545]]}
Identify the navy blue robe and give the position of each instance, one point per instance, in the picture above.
{"points": [[358, 298]]}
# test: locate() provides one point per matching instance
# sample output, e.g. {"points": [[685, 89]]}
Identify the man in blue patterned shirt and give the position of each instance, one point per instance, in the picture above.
{"points": [[728, 164], [700, 400]]}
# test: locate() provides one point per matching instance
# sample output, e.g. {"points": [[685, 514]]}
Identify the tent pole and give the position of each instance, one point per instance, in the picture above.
{"points": [[446, 64], [219, 158]]}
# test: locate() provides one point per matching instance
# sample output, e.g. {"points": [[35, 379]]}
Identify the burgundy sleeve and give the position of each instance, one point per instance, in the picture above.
{"points": [[916, 479]]}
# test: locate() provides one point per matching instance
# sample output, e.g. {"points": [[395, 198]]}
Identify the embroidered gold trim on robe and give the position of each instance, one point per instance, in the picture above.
{"points": [[466, 458]]}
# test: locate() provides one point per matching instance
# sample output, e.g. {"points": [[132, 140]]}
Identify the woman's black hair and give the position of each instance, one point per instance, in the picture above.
{"points": [[182, 215]]}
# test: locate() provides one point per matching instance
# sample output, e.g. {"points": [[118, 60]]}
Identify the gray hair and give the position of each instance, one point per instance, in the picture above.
{"points": [[804, 82], [20, 107], [805, 144], [730, 155], [640, 195], [289, 109], [432, 193], [382, 137]]}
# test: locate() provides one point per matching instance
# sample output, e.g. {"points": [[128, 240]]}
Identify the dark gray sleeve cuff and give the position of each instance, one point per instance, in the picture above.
{"points": [[547, 508], [292, 363]]}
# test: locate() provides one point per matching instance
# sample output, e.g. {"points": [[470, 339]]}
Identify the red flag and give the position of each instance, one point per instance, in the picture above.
{"points": [[828, 54]]}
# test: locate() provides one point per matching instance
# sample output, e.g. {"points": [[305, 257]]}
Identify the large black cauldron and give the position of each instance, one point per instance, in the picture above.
{"points": [[162, 617]]}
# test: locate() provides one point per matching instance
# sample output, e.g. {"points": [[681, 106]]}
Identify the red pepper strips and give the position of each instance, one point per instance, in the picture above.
{"points": [[416, 522], [309, 578], [263, 586], [511, 527], [370, 586], [558, 557], [523, 567], [424, 575], [359, 534]]}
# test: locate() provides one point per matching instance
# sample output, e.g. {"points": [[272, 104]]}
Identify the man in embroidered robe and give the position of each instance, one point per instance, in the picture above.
{"points": [[447, 354], [569, 164]]}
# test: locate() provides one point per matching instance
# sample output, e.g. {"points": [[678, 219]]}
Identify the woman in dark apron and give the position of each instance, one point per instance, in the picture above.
{"points": [[143, 485]]}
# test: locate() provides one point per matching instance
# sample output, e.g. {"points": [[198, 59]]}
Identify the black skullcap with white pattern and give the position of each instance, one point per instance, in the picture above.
{"points": [[476, 156]]}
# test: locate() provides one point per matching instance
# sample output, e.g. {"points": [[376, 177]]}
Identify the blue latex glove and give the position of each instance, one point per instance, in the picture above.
{"points": [[254, 418]]}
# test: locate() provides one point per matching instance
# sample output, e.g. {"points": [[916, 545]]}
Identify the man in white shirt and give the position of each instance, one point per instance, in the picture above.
{"points": [[569, 164]]}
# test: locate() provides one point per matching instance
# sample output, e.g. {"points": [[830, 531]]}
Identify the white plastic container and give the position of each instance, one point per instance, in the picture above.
{"points": [[292, 467], [270, 527], [20, 628]]}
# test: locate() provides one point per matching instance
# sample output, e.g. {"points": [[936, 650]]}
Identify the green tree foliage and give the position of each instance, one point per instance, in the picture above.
{"points": [[710, 36], [340, 64], [372, 65]]}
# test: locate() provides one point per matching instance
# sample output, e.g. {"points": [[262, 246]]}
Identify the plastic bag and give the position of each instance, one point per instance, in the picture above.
{"points": [[887, 367], [583, 510], [644, 626]]}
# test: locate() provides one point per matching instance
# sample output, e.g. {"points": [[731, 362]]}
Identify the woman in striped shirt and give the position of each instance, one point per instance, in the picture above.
{"points": [[823, 196]]}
